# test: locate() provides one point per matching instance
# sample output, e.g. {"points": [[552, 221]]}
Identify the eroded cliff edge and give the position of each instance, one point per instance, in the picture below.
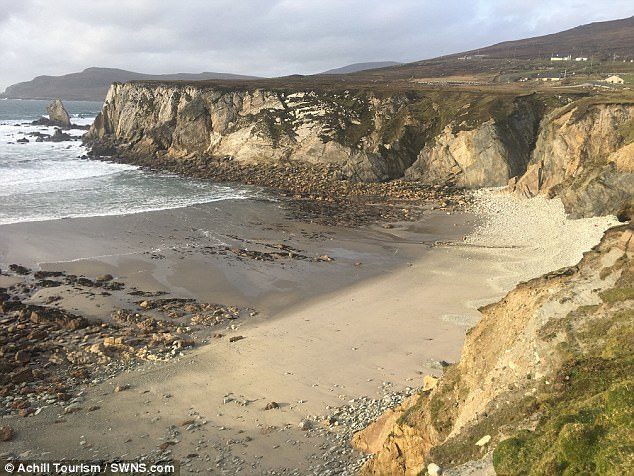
{"points": [[371, 136], [568, 145], [545, 378]]}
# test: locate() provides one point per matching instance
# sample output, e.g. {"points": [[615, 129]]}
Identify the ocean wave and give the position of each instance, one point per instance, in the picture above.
{"points": [[8, 220], [14, 180], [42, 181]]}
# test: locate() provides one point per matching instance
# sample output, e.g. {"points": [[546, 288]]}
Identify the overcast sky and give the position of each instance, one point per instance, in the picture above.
{"points": [[265, 37]]}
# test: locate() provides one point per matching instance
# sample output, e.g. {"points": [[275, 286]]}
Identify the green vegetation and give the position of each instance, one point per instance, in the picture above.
{"points": [[414, 410], [440, 405], [587, 410], [353, 118], [462, 447], [623, 289], [618, 294], [586, 428], [626, 132], [275, 124]]}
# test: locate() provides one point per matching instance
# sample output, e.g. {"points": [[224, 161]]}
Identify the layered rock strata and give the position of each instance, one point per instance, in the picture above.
{"points": [[577, 148]]}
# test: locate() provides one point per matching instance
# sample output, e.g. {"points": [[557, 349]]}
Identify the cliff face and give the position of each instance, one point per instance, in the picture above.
{"points": [[578, 150], [545, 378], [370, 137], [258, 125], [540, 363], [484, 156], [584, 154]]}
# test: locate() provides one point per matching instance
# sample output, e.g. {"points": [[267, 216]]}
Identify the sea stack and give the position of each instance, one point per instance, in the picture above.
{"points": [[57, 113]]}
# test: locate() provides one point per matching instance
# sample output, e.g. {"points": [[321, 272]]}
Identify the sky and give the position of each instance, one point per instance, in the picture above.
{"points": [[266, 37]]}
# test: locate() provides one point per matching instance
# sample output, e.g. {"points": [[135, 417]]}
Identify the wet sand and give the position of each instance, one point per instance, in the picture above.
{"points": [[182, 251], [390, 308]]}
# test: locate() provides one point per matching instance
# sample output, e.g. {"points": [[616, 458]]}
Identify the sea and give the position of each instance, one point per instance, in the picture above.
{"points": [[51, 181]]}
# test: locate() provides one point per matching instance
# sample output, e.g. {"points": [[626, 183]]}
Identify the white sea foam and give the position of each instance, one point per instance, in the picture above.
{"points": [[167, 205], [48, 181]]}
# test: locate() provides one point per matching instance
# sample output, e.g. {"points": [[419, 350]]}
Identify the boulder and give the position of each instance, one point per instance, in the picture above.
{"points": [[57, 113], [429, 383], [59, 136], [433, 469]]}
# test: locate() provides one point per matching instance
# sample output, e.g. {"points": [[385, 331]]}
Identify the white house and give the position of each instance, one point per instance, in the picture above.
{"points": [[614, 79], [561, 58], [581, 58]]}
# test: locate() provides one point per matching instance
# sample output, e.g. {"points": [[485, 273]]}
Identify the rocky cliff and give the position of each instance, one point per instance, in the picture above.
{"points": [[258, 125], [584, 154], [370, 136], [544, 384], [481, 154], [579, 148]]}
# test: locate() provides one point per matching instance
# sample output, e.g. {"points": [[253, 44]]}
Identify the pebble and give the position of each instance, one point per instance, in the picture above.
{"points": [[72, 408], [6, 433], [433, 469]]}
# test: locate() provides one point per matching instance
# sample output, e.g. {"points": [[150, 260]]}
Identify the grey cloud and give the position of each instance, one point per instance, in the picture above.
{"points": [[264, 37]]}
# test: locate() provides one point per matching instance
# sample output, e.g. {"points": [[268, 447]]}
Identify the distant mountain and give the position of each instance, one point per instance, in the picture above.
{"points": [[356, 67], [93, 83], [603, 41]]}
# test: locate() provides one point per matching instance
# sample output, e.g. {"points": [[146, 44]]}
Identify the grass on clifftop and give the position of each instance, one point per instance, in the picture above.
{"points": [[586, 424], [579, 418], [589, 431]]}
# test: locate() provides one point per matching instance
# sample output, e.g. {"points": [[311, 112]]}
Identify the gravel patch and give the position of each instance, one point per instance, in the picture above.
{"points": [[538, 225], [339, 424]]}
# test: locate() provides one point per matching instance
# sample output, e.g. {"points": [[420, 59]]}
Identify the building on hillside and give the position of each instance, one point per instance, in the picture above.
{"points": [[581, 58], [614, 79], [560, 58], [549, 77]]}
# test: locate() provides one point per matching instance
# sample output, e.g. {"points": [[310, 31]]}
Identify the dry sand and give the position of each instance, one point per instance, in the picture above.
{"points": [[346, 331]]}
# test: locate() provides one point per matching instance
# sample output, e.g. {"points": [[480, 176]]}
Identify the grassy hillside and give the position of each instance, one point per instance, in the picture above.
{"points": [[356, 67], [607, 45], [602, 40], [515, 65]]}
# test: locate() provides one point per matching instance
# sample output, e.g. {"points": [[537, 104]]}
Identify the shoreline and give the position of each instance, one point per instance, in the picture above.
{"points": [[360, 336], [312, 192], [184, 247], [118, 213]]}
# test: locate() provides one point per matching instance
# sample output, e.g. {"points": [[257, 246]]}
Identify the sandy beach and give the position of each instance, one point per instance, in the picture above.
{"points": [[344, 328]]}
